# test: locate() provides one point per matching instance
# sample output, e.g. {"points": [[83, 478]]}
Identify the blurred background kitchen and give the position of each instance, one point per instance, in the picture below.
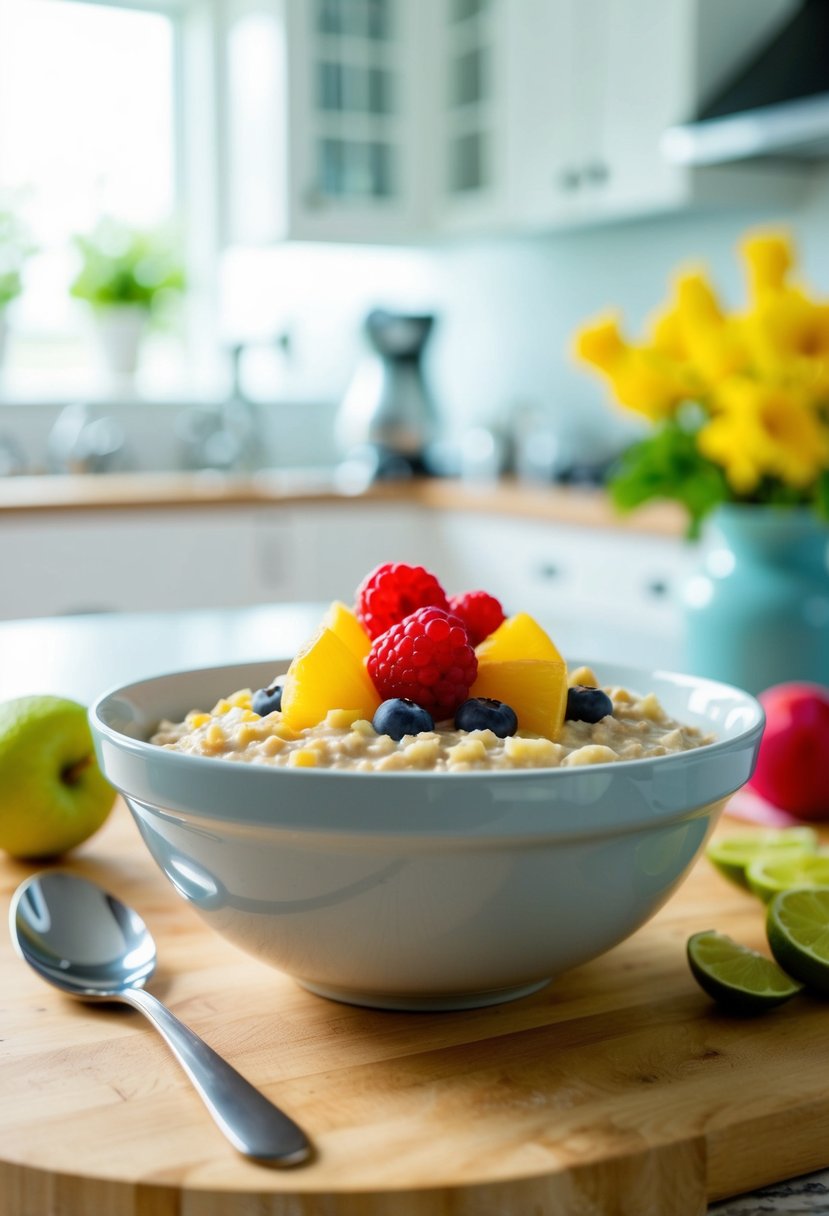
{"points": [[297, 282]]}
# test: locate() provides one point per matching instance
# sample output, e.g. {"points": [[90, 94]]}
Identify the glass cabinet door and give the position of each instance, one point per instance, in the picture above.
{"points": [[468, 85], [352, 116], [472, 105]]}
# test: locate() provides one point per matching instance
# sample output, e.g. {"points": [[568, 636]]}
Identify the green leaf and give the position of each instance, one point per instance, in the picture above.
{"points": [[822, 495], [668, 466], [121, 265]]}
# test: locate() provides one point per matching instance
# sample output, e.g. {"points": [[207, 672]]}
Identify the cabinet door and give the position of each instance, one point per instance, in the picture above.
{"points": [[601, 82], [607, 595], [472, 112], [326, 551], [132, 561], [648, 73], [560, 53], [353, 100], [320, 108]]}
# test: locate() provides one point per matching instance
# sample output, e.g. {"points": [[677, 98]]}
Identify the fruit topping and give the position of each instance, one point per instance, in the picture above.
{"points": [[398, 717], [485, 713], [480, 612], [520, 664], [535, 688], [342, 621], [393, 591], [425, 658], [268, 700], [518, 637], [587, 704], [326, 674]]}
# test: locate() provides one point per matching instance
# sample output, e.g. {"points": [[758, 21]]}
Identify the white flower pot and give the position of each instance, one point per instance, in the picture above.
{"points": [[120, 330], [4, 334]]}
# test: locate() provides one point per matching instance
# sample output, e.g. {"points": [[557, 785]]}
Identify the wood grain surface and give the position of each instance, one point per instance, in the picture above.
{"points": [[619, 1090], [580, 505]]}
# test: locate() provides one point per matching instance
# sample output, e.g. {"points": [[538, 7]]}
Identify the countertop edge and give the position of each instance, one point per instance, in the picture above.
{"points": [[579, 506]]}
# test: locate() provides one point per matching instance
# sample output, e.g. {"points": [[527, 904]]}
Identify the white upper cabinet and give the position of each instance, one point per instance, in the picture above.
{"points": [[605, 79], [321, 120], [468, 112], [400, 120]]}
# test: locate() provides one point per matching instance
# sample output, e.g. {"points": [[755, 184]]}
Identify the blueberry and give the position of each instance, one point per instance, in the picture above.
{"points": [[485, 713], [587, 704], [268, 700], [398, 717]]}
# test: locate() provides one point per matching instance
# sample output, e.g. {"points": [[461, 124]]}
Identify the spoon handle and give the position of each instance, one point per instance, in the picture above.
{"points": [[251, 1122]]}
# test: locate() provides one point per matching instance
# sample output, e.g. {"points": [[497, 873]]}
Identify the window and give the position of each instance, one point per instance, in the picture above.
{"points": [[87, 129]]}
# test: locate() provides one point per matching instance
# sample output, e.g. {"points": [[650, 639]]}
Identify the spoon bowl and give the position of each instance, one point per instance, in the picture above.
{"points": [[81, 939]]}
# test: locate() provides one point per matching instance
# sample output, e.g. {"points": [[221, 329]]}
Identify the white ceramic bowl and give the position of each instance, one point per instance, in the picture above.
{"points": [[423, 890]]}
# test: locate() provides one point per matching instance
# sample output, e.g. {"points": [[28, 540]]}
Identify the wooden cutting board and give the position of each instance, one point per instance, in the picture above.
{"points": [[617, 1091]]}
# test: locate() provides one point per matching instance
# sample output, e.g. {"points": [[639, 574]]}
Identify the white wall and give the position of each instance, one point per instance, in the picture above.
{"points": [[508, 309]]}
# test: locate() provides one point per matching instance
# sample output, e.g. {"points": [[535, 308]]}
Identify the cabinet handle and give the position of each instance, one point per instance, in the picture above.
{"points": [[548, 571], [568, 180], [313, 198], [596, 173]]}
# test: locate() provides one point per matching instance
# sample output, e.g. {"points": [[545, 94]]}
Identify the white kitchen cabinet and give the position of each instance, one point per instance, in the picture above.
{"points": [[333, 547], [601, 593], [605, 79], [470, 112], [57, 563], [320, 135], [394, 120], [377, 121]]}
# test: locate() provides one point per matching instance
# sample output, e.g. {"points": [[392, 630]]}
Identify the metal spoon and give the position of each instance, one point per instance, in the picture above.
{"points": [[87, 943]]}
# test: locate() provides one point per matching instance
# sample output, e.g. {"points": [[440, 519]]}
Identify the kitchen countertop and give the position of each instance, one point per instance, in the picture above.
{"points": [[586, 506], [81, 656]]}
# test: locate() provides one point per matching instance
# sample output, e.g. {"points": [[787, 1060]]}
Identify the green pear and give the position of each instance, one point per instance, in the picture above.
{"points": [[53, 796]]}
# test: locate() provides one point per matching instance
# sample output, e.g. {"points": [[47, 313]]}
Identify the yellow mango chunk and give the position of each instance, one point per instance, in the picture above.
{"points": [[518, 637], [344, 623], [325, 674], [535, 688]]}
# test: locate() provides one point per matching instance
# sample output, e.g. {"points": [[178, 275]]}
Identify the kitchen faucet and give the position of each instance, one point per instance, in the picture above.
{"points": [[228, 437]]}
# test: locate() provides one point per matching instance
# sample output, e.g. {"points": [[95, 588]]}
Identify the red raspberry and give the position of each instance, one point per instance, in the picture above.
{"points": [[427, 659], [391, 592], [481, 613]]}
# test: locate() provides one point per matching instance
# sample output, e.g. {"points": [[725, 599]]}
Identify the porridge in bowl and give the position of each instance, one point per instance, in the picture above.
{"points": [[636, 728], [412, 680]]}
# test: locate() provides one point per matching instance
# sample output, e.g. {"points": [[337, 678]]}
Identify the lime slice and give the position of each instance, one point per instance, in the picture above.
{"points": [[737, 978], [781, 871], [732, 854], [797, 926]]}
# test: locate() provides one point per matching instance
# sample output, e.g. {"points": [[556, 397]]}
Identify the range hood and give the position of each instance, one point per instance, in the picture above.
{"points": [[776, 106]]}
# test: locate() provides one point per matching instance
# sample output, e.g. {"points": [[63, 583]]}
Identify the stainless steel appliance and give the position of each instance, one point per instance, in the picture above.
{"points": [[387, 417]]}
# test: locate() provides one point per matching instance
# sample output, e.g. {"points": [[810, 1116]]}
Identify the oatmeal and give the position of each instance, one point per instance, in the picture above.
{"points": [[637, 729]]}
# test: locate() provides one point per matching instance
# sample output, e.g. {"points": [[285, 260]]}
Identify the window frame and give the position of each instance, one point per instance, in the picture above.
{"points": [[196, 169]]}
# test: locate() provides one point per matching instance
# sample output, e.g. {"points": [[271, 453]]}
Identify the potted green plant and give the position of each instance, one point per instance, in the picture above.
{"points": [[15, 248], [128, 276]]}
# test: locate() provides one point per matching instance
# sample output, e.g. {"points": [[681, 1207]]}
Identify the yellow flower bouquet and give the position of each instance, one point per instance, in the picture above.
{"points": [[738, 401]]}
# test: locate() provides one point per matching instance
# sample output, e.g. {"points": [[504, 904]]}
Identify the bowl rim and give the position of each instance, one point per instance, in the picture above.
{"points": [[147, 750]]}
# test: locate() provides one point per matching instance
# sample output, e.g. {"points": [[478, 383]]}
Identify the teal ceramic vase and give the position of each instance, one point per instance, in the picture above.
{"points": [[756, 612]]}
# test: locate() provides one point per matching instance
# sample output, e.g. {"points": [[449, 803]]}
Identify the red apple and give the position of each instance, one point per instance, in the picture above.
{"points": [[793, 766]]}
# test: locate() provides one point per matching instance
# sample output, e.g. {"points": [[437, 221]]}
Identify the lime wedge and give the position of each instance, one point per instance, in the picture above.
{"points": [[733, 854], [797, 926], [739, 979], [781, 871]]}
